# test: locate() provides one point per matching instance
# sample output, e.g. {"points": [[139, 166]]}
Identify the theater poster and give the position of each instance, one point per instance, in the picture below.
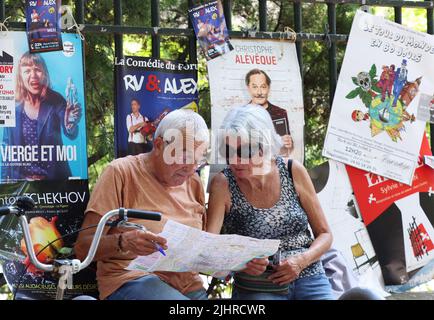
{"points": [[373, 124], [43, 25], [210, 27], [399, 219], [147, 89], [48, 142], [7, 83], [262, 72], [58, 211], [350, 236]]}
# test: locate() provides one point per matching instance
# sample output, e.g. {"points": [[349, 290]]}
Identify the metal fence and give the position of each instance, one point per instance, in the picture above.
{"points": [[329, 36]]}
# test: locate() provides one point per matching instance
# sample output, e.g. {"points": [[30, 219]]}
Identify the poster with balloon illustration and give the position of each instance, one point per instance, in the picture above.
{"points": [[58, 213], [374, 122]]}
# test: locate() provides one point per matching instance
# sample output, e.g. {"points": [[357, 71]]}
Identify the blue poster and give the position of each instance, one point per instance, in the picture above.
{"points": [[43, 25], [210, 27], [146, 90], [48, 139]]}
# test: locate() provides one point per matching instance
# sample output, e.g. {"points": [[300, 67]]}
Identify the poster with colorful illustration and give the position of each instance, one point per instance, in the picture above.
{"points": [[350, 236], [210, 27], [7, 83], [43, 25], [48, 139], [373, 124], [266, 73], [59, 211], [146, 90], [399, 219]]}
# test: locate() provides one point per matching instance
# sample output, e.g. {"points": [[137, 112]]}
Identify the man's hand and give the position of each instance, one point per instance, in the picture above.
{"points": [[287, 142], [141, 242], [288, 270], [256, 266]]}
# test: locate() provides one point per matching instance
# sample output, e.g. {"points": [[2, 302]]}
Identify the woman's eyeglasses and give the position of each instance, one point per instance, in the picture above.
{"points": [[242, 152]]}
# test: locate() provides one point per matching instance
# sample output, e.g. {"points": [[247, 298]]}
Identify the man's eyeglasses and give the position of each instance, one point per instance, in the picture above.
{"points": [[187, 157]]}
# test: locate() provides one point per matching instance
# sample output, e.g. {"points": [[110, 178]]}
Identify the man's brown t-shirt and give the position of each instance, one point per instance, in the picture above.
{"points": [[126, 183]]}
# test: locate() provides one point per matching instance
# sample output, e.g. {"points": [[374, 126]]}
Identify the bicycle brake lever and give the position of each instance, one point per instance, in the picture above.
{"points": [[131, 225]]}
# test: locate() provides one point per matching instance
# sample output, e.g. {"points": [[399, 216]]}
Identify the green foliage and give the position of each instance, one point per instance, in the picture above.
{"points": [[353, 94], [373, 71]]}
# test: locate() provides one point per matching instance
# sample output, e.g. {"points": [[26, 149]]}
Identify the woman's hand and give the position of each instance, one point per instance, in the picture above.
{"points": [[288, 270], [72, 115], [141, 242], [256, 266]]}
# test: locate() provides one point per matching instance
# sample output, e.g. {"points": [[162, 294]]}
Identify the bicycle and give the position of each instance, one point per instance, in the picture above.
{"points": [[66, 268]]}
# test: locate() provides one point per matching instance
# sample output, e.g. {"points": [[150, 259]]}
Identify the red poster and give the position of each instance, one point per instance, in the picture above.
{"points": [[374, 194]]}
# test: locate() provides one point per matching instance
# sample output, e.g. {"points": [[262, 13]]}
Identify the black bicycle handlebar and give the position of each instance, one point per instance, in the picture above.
{"points": [[25, 203], [4, 211], [142, 214]]}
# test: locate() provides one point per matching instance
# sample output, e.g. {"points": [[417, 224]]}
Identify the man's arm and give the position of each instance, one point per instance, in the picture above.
{"points": [[135, 241], [107, 195]]}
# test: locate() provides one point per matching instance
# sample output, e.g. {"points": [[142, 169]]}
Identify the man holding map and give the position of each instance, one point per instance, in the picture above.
{"points": [[163, 180]]}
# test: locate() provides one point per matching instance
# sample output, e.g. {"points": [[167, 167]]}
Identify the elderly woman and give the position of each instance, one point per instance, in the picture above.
{"points": [[162, 180], [261, 196]]}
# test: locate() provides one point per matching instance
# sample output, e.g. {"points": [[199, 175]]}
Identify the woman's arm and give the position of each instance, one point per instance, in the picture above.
{"points": [[291, 268], [218, 203], [317, 220]]}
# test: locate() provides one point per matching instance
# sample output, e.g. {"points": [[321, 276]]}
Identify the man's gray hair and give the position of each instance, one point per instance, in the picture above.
{"points": [[250, 123], [183, 120]]}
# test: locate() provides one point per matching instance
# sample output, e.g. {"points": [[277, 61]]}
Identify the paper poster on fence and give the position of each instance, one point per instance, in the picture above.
{"points": [[43, 25], [399, 219], [373, 124], [7, 83], [209, 24], [263, 72], [47, 140], [147, 89], [59, 210], [350, 236]]}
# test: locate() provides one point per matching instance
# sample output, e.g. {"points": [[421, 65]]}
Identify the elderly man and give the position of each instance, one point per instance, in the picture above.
{"points": [[163, 180]]}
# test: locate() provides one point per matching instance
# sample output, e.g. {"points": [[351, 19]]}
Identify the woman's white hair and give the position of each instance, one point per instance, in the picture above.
{"points": [[182, 121], [250, 123]]}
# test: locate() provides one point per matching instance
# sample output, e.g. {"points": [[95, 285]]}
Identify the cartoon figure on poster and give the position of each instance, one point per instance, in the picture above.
{"points": [[386, 99], [48, 140]]}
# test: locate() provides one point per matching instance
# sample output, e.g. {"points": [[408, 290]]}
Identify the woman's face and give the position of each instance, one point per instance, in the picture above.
{"points": [[33, 78], [242, 159]]}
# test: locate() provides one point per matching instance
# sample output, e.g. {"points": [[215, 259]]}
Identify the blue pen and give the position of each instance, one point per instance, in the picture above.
{"points": [[159, 248]]}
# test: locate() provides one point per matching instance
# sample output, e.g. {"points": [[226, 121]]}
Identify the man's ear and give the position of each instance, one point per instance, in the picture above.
{"points": [[158, 145]]}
